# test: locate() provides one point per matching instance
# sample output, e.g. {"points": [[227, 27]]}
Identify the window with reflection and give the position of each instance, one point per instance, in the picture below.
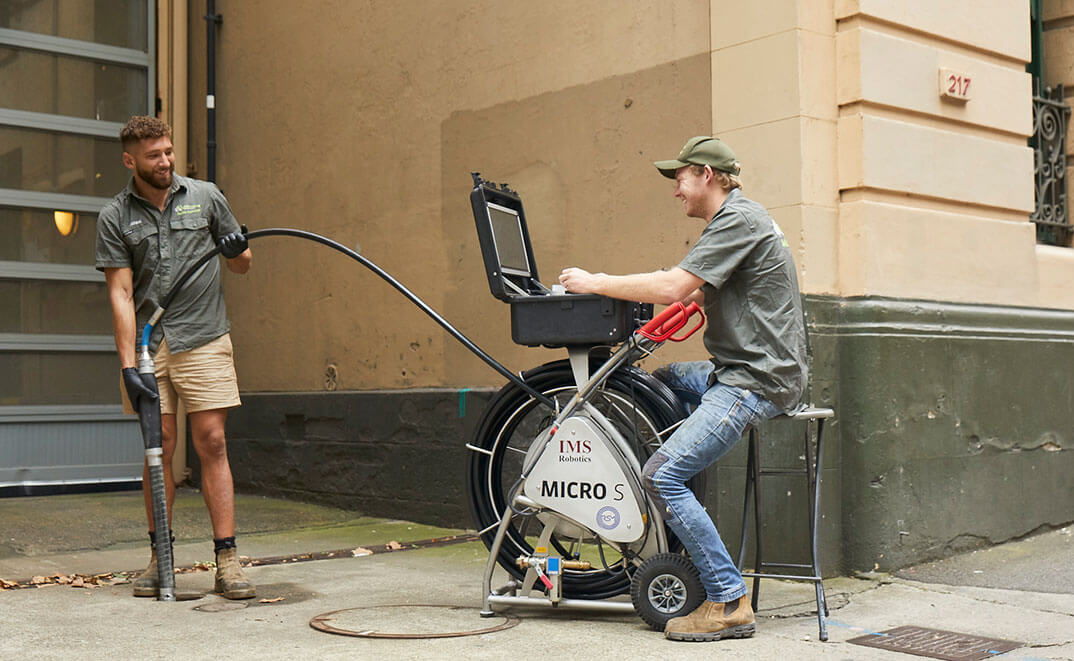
{"points": [[58, 378], [32, 235], [112, 22], [71, 86], [60, 163], [54, 307]]}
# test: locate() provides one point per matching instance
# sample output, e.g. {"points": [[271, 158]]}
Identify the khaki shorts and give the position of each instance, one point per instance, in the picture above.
{"points": [[204, 378]]}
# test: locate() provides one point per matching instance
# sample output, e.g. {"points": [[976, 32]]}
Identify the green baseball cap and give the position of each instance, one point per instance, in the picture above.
{"points": [[701, 150]]}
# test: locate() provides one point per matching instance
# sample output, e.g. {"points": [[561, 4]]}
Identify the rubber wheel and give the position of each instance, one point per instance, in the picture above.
{"points": [[636, 402], [666, 585]]}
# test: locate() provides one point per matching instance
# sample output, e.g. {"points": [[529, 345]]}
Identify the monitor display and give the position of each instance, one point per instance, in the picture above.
{"points": [[507, 236]]}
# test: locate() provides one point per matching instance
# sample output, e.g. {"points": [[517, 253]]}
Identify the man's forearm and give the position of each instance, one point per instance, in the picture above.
{"points": [[643, 287], [123, 327], [121, 298]]}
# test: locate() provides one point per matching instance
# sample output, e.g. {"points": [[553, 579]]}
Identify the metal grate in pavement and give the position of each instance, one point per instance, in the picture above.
{"points": [[936, 644]]}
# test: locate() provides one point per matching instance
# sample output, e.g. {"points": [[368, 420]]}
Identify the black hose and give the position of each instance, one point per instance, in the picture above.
{"points": [[317, 238]]}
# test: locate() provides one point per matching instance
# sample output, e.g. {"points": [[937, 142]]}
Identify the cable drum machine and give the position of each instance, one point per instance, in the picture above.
{"points": [[555, 481]]}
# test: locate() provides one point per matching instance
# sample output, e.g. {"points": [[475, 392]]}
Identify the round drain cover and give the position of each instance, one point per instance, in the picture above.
{"points": [[408, 621]]}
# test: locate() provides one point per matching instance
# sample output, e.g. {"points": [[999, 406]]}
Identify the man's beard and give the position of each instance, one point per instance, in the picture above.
{"points": [[158, 181]]}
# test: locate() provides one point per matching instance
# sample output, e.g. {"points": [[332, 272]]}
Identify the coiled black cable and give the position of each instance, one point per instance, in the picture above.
{"points": [[511, 410]]}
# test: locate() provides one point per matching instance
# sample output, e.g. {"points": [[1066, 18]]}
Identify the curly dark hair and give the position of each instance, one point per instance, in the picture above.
{"points": [[140, 127]]}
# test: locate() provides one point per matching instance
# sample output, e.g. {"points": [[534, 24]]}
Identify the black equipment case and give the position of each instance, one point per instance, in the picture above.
{"points": [[539, 317]]}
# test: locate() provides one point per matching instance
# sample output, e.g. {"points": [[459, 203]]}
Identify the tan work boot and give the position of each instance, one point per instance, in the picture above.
{"points": [[148, 581], [713, 621], [230, 581]]}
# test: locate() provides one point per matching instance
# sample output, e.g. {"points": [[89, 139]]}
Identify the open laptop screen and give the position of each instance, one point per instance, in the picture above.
{"points": [[507, 236]]}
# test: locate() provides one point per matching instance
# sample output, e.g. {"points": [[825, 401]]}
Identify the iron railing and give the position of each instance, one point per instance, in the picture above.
{"points": [[1050, 116]]}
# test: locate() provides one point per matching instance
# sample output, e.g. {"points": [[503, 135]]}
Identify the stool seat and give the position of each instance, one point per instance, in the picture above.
{"points": [[808, 413], [813, 417]]}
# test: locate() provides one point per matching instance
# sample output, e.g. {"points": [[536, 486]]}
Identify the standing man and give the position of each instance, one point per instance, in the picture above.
{"points": [[147, 237], [742, 272]]}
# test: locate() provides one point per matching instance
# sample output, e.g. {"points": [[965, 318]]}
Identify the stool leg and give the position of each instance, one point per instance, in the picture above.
{"points": [[746, 497], [756, 474], [814, 470]]}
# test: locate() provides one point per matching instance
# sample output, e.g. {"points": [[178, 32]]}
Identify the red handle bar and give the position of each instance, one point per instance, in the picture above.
{"points": [[670, 320]]}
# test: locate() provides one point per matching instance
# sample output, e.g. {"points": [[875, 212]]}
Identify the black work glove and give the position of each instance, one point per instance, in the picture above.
{"points": [[234, 244], [132, 381]]}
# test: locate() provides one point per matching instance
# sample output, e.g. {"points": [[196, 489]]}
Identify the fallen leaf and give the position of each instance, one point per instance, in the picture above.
{"points": [[38, 580], [358, 552], [8, 585], [272, 601], [77, 583], [394, 545], [198, 566]]}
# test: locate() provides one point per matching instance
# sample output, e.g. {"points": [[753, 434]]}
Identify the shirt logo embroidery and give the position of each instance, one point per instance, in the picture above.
{"points": [[184, 209], [134, 223]]}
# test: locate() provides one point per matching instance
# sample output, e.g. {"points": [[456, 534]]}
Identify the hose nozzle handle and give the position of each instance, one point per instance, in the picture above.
{"points": [[670, 320]]}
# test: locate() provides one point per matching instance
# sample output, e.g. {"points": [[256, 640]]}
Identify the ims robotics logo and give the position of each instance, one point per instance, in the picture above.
{"points": [[608, 518]]}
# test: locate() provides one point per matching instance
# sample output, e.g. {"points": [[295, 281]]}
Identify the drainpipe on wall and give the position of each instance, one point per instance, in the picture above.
{"points": [[212, 20]]}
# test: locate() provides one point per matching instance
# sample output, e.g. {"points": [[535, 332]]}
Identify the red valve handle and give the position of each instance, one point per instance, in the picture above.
{"points": [[671, 319], [700, 323]]}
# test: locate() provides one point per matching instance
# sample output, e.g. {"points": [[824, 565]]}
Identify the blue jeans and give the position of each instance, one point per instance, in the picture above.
{"points": [[722, 415]]}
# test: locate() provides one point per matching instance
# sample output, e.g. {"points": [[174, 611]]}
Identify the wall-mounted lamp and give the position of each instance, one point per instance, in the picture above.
{"points": [[66, 222]]}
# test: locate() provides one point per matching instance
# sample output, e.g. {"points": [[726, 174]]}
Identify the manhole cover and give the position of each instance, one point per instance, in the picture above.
{"points": [[408, 621], [937, 644]]}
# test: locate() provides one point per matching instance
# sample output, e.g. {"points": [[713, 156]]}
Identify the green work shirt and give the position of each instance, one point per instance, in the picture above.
{"points": [[159, 247], [755, 332]]}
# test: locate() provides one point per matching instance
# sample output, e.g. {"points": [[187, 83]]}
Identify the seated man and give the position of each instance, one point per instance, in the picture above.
{"points": [[742, 272]]}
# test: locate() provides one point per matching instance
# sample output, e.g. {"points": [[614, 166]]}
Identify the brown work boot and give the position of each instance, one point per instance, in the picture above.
{"points": [[149, 580], [713, 621], [230, 581]]}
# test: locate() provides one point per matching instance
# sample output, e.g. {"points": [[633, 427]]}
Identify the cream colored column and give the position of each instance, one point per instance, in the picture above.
{"points": [[773, 85], [172, 90], [935, 190], [172, 73]]}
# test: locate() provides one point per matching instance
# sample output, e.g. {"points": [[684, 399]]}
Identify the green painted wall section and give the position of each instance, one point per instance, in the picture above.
{"points": [[954, 426]]}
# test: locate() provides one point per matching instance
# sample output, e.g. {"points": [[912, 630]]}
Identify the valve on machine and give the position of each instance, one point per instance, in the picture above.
{"points": [[549, 570]]}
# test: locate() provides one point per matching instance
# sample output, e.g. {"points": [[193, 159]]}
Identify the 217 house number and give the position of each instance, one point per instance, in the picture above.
{"points": [[954, 85]]}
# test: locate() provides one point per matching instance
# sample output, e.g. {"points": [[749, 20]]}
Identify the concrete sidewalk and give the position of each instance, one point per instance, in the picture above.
{"points": [[103, 534]]}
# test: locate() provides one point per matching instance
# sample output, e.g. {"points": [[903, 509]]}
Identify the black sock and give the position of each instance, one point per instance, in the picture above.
{"points": [[224, 543], [153, 538]]}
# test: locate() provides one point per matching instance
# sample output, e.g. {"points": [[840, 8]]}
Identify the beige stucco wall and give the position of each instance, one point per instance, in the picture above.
{"points": [[774, 101], [936, 193], [362, 122]]}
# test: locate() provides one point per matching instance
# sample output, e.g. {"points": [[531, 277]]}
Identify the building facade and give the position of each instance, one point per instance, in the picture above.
{"points": [[893, 141]]}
